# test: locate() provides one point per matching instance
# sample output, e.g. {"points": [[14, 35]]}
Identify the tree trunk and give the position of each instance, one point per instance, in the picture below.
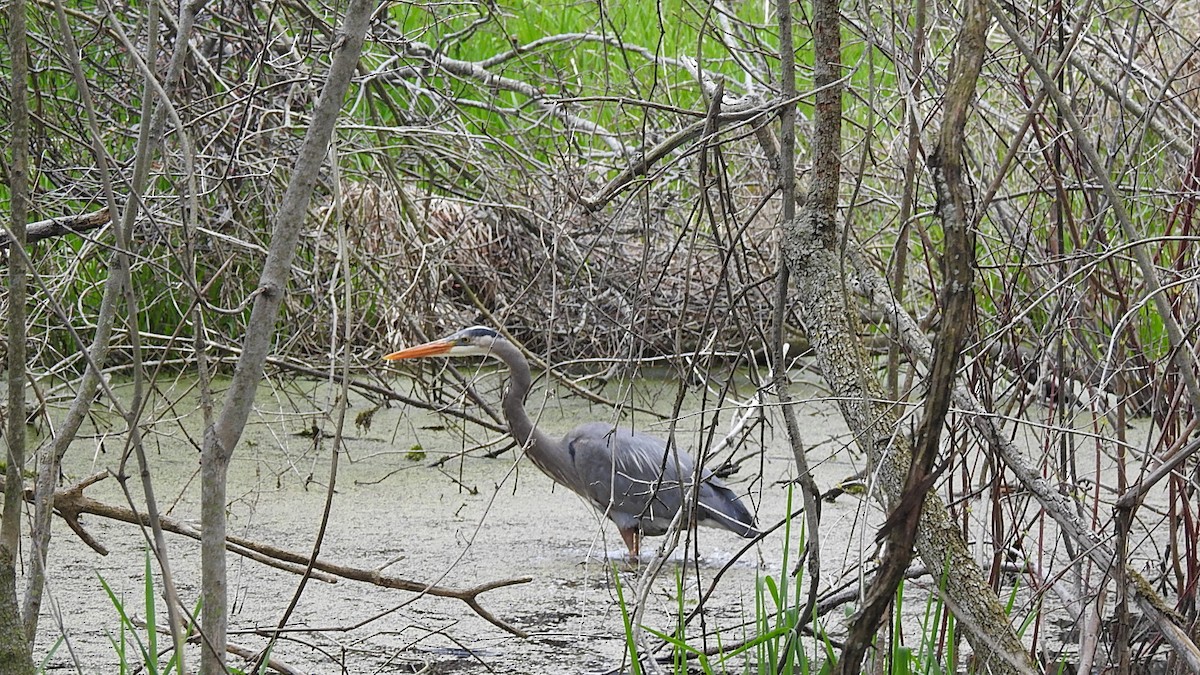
{"points": [[810, 249], [221, 438], [15, 655], [833, 334], [15, 651]]}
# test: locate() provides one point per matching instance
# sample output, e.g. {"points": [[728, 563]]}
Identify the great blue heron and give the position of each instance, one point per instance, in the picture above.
{"points": [[628, 476]]}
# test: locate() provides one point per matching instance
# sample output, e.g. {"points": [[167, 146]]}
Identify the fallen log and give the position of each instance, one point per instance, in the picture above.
{"points": [[70, 503], [56, 227]]}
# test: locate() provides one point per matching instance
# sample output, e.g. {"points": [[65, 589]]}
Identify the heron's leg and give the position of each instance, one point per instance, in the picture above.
{"points": [[631, 541]]}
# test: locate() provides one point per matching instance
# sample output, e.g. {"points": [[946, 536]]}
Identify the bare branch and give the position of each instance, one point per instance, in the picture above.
{"points": [[55, 227], [1056, 504], [70, 503]]}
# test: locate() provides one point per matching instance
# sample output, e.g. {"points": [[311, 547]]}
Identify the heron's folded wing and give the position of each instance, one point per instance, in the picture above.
{"points": [[628, 475]]}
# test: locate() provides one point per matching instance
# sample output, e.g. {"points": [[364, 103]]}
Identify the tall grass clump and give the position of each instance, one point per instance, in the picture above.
{"points": [[778, 640], [136, 647], [770, 644]]}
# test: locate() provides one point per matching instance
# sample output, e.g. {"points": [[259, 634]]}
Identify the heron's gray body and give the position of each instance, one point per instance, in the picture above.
{"points": [[630, 477]]}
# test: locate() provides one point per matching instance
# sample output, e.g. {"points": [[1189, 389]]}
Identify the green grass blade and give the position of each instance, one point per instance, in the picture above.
{"points": [[151, 626], [126, 623], [50, 653], [635, 666]]}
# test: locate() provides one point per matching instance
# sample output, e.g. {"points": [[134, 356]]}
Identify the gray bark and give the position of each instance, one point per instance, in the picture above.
{"points": [[15, 643], [222, 437], [810, 248]]}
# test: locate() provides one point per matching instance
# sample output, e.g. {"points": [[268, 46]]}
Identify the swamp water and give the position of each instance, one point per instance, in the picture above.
{"points": [[467, 521]]}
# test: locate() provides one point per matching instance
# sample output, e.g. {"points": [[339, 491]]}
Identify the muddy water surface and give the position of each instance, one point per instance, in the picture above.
{"points": [[467, 521], [417, 498]]}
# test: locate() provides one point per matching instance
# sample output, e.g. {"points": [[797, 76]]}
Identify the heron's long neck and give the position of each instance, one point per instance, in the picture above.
{"points": [[537, 443]]}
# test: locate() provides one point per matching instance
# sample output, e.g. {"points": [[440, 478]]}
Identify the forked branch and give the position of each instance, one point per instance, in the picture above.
{"points": [[70, 503]]}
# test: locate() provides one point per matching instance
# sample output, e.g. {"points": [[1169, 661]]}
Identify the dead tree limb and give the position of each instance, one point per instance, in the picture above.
{"points": [[958, 293], [70, 503], [833, 331], [814, 249], [56, 227]]}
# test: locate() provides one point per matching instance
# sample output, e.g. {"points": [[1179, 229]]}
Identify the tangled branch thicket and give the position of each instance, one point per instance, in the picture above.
{"points": [[465, 180], [458, 184], [544, 167]]}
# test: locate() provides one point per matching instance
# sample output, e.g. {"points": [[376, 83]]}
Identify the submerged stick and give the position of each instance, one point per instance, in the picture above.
{"points": [[70, 503]]}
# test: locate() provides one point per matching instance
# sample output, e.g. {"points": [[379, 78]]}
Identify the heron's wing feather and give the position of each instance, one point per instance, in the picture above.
{"points": [[624, 474], [630, 477], [721, 507]]}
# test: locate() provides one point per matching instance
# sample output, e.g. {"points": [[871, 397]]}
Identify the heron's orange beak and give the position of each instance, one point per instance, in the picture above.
{"points": [[428, 349]]}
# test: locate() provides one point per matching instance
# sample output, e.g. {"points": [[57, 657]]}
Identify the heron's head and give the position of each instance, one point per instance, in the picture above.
{"points": [[473, 341]]}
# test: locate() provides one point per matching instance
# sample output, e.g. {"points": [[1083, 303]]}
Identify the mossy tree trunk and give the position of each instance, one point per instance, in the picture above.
{"points": [[811, 250], [16, 655]]}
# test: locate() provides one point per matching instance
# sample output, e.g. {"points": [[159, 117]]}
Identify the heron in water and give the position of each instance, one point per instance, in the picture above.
{"points": [[627, 476]]}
